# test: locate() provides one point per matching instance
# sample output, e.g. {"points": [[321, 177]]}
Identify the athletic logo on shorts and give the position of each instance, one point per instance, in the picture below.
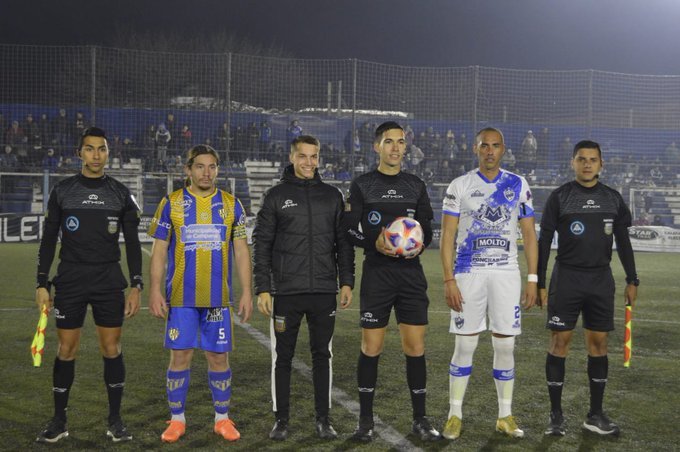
{"points": [[577, 228], [72, 223], [459, 321], [214, 315], [279, 323], [173, 334], [374, 217], [368, 317]]}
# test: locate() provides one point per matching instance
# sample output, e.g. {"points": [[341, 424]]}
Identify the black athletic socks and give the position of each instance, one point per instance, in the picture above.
{"points": [[114, 377], [598, 368], [367, 375], [416, 377], [554, 375], [62, 379]]}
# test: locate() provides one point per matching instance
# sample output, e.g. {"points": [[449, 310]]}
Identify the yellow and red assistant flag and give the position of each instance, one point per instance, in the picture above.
{"points": [[628, 336], [38, 345]]}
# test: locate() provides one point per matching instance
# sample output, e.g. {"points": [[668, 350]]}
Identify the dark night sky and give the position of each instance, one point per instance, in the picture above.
{"points": [[630, 36]]}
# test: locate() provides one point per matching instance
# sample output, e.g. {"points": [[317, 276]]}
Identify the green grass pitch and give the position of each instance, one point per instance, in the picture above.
{"points": [[643, 399]]}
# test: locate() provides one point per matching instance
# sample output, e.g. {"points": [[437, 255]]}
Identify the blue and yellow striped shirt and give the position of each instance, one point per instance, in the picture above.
{"points": [[201, 231]]}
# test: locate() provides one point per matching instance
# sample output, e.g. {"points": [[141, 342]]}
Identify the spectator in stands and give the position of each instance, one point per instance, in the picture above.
{"points": [[186, 137], [238, 140], [8, 160], [79, 125], [253, 138], [409, 135], [656, 175], [15, 135], [31, 131], [528, 152], [265, 138], [672, 154], [50, 161], [175, 132], [658, 221], [223, 136], [327, 172], [149, 139], [444, 173], [416, 159], [353, 142], [3, 126], [44, 129], [8, 164], [163, 138], [293, 131], [450, 148], [343, 174], [60, 131], [508, 161]]}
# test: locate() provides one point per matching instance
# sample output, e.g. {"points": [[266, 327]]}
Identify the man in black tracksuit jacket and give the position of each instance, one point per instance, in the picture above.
{"points": [[300, 251]]}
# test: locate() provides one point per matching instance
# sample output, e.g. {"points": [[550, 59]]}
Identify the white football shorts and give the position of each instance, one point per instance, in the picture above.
{"points": [[496, 293]]}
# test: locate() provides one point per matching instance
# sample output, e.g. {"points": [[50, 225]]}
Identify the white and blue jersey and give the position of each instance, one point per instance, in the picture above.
{"points": [[488, 212]]}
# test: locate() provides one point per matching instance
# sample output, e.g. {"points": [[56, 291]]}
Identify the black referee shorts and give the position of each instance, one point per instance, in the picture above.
{"points": [[574, 291], [403, 287], [100, 285]]}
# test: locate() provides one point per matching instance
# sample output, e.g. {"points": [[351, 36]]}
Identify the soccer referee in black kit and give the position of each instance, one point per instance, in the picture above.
{"points": [[89, 210], [587, 215], [390, 282]]}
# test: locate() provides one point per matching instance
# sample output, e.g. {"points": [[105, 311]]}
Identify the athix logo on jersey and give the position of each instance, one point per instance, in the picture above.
{"points": [[493, 215], [577, 228], [590, 204], [93, 200], [214, 315], [288, 203], [72, 223], [392, 194], [477, 194], [491, 242], [509, 194], [374, 217]]}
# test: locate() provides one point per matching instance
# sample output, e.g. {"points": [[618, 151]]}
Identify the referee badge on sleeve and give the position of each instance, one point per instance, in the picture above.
{"points": [[113, 226], [279, 323], [608, 226]]}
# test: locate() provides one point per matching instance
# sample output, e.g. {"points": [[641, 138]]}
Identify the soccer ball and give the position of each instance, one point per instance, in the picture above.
{"points": [[404, 236]]}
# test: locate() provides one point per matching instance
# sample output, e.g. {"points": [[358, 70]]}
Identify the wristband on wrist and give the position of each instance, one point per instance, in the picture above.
{"points": [[532, 277]]}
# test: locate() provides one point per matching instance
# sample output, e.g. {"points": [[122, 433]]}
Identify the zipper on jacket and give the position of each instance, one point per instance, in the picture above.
{"points": [[310, 237]]}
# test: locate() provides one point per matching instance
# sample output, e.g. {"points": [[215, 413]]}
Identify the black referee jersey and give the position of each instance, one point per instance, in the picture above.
{"points": [[88, 213], [375, 199], [587, 220]]}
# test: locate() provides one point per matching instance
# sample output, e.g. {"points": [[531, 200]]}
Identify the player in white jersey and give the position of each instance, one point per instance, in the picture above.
{"points": [[483, 207]]}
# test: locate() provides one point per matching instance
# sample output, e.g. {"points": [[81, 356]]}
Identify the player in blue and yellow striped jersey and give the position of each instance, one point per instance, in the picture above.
{"points": [[199, 233]]}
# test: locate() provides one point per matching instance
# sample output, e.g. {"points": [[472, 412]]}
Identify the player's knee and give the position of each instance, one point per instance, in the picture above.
{"points": [[371, 349]]}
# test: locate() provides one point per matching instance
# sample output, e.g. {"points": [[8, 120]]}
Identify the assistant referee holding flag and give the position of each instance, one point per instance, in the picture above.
{"points": [[89, 210], [588, 216]]}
